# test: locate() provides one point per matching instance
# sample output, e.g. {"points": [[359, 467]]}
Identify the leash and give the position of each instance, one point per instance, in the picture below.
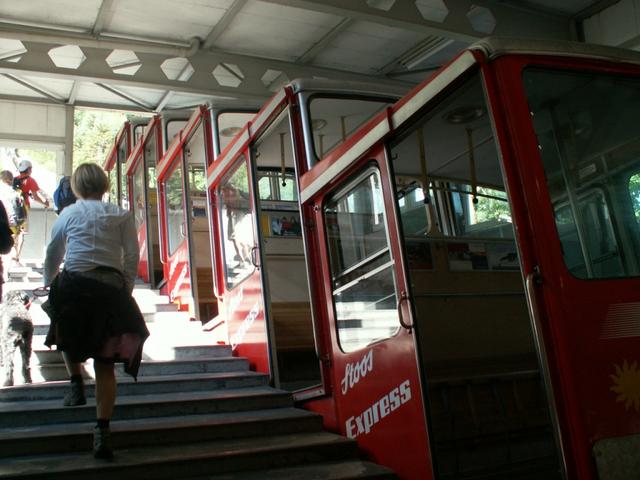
{"points": [[40, 292]]}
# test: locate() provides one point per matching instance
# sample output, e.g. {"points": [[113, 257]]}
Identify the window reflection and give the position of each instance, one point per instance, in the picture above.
{"points": [[362, 273], [237, 224], [175, 209]]}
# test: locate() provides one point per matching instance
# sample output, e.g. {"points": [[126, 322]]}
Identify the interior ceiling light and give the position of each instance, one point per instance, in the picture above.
{"points": [[318, 124], [230, 131], [462, 115]]}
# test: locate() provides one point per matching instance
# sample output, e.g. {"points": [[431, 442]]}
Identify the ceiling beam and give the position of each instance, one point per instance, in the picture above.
{"points": [[163, 101], [105, 14], [510, 21], [321, 44], [46, 101], [33, 87], [129, 98], [73, 95], [223, 23], [251, 91]]}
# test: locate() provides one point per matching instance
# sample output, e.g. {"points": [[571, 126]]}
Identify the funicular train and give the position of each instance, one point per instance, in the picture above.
{"points": [[451, 279]]}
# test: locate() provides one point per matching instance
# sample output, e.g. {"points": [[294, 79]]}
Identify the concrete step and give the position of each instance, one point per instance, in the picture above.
{"points": [[51, 412], [198, 365], [163, 316], [144, 386], [70, 437], [54, 369], [344, 470], [202, 458]]}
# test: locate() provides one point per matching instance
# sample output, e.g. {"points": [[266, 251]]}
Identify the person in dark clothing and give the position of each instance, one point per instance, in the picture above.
{"points": [[93, 314]]}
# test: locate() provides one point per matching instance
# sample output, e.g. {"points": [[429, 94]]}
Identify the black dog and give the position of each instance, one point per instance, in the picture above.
{"points": [[16, 330]]}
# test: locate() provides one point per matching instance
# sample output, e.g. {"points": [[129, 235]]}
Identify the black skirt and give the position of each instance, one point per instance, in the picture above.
{"points": [[94, 316]]}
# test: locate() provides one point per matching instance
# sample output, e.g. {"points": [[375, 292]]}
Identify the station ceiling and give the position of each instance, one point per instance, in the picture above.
{"points": [[155, 55]]}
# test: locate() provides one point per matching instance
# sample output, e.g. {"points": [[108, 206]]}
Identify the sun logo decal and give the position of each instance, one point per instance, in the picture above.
{"points": [[627, 385]]}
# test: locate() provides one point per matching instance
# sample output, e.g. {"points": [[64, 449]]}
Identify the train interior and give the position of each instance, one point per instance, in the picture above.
{"points": [[151, 157], [194, 153], [584, 123], [332, 119], [284, 271], [487, 409]]}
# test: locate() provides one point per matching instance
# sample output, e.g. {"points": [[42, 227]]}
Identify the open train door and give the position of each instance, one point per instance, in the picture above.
{"points": [[573, 168], [239, 281], [376, 382]]}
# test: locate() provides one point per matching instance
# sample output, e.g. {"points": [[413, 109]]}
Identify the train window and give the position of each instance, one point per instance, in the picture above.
{"points": [[485, 214], [138, 132], [120, 174], [362, 269], [172, 127], [237, 224], [453, 151], [175, 209], [150, 156], [230, 123], [589, 150], [113, 186], [273, 185], [138, 195], [334, 119]]}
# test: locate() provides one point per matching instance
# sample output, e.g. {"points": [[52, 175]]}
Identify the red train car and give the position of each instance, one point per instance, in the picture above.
{"points": [[141, 189], [114, 163], [472, 259], [185, 248]]}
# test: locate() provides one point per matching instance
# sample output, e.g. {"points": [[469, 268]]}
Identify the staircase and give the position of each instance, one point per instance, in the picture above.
{"points": [[195, 413]]}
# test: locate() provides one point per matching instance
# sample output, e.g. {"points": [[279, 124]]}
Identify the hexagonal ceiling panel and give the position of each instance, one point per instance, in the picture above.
{"points": [[228, 75], [68, 56], [124, 62], [274, 79], [177, 68], [434, 10], [481, 19], [11, 50]]}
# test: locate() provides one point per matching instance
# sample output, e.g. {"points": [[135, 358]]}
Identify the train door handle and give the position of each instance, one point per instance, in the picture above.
{"points": [[403, 298], [254, 257], [182, 230]]}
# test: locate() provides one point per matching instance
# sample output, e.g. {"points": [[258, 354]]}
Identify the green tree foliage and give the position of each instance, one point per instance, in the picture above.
{"points": [[492, 209], [634, 191], [95, 131]]}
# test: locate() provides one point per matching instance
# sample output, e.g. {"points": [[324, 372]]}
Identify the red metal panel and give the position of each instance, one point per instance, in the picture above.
{"points": [[584, 366], [377, 389]]}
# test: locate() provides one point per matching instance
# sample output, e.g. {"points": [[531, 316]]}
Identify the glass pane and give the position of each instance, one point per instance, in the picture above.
{"points": [[362, 269], [138, 195], [175, 209], [124, 194], [138, 132], [334, 119], [488, 216], [264, 187], [589, 147], [237, 224], [195, 155], [172, 128], [272, 185], [120, 163], [229, 124], [150, 159], [113, 186]]}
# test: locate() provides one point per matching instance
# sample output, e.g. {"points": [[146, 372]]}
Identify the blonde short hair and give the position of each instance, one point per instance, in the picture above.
{"points": [[89, 181]]}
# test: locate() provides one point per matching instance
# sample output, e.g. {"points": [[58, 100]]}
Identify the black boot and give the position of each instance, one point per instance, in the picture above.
{"points": [[102, 447], [75, 395]]}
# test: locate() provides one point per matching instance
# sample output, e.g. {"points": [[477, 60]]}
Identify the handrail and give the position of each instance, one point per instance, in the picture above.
{"points": [[532, 280]]}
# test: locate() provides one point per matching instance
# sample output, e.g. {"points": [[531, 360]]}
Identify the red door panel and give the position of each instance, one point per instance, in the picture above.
{"points": [[376, 379]]}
